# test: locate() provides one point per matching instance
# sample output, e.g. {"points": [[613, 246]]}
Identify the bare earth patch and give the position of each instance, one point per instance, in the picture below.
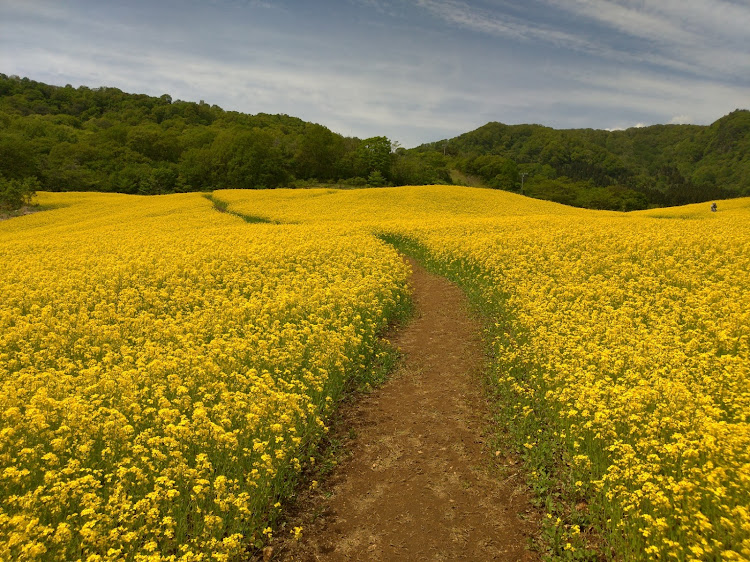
{"points": [[421, 483], [5, 215]]}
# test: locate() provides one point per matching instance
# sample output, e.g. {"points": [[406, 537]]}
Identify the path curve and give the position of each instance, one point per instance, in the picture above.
{"points": [[420, 483]]}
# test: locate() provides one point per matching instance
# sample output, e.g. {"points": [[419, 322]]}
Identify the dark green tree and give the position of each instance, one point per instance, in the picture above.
{"points": [[248, 160], [15, 193], [374, 155], [317, 154]]}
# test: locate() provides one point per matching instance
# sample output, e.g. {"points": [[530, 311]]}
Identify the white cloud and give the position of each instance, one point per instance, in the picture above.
{"points": [[703, 36], [681, 120], [700, 36], [462, 14]]}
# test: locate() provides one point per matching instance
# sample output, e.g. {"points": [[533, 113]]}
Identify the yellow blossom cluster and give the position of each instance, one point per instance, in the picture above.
{"points": [[621, 343], [166, 368]]}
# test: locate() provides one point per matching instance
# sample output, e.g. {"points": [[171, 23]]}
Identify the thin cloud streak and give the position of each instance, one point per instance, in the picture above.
{"points": [[462, 14], [676, 30], [703, 36]]}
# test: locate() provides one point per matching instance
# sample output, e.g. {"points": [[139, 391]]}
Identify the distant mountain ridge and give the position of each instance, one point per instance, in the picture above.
{"points": [[103, 139], [667, 164]]}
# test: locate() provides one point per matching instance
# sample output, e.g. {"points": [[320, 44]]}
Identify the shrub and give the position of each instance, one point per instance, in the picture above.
{"points": [[15, 193]]}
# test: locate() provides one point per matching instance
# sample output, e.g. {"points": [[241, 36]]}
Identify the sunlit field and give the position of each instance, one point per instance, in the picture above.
{"points": [[166, 368], [620, 343], [621, 346]]}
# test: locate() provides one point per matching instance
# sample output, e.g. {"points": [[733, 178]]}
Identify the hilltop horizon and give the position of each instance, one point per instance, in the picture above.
{"points": [[398, 143], [102, 139], [412, 71]]}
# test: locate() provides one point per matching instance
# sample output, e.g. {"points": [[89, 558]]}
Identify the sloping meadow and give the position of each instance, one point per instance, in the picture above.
{"points": [[620, 352], [166, 368], [619, 348]]}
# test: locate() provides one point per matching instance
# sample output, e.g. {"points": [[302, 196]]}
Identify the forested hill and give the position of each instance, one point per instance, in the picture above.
{"points": [[661, 164], [72, 139], [103, 139]]}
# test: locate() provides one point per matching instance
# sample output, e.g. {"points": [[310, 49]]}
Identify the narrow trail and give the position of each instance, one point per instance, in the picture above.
{"points": [[420, 483]]}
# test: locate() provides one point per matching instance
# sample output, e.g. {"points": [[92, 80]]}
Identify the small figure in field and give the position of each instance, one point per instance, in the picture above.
{"points": [[713, 207]]}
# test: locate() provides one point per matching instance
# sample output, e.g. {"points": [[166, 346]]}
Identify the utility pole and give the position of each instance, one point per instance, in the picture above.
{"points": [[523, 175]]}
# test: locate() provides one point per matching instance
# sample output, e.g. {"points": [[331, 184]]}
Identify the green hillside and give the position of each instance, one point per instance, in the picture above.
{"points": [[102, 139], [657, 165]]}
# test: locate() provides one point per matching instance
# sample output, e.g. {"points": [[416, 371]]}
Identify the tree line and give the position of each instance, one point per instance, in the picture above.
{"points": [[102, 139], [631, 169]]}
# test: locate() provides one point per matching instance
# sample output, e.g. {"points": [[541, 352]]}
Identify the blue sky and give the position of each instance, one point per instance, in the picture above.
{"points": [[413, 70]]}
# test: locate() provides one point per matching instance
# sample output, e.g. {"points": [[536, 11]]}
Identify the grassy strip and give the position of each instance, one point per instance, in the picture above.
{"points": [[223, 207], [569, 529], [25, 210]]}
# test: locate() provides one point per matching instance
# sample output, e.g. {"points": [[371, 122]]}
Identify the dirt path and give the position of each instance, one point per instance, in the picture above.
{"points": [[23, 211], [420, 483]]}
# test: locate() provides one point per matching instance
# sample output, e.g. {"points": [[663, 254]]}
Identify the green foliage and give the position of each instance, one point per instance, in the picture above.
{"points": [[497, 171], [562, 190], [638, 167], [17, 155], [376, 179], [356, 181], [319, 154], [104, 139], [15, 193], [586, 194], [247, 159], [374, 155], [612, 198], [420, 168]]}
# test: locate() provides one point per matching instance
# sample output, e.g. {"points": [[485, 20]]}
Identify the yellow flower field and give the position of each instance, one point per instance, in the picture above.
{"points": [[621, 344], [628, 352], [165, 368]]}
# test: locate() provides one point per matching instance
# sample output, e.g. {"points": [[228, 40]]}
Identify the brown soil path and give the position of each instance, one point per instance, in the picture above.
{"points": [[420, 483], [23, 211]]}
